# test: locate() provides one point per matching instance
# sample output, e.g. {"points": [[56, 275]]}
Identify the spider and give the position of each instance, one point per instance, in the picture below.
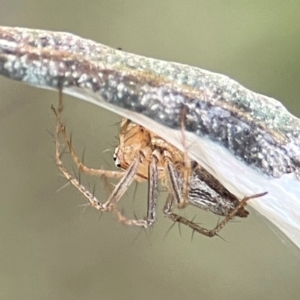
{"points": [[144, 156]]}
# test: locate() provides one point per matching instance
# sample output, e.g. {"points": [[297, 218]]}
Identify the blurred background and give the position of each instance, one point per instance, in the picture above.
{"points": [[54, 247]]}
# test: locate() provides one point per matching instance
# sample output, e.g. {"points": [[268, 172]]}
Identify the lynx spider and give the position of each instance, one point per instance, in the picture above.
{"points": [[145, 156]]}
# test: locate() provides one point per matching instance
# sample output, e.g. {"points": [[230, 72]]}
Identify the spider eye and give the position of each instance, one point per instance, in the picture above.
{"points": [[118, 165]]}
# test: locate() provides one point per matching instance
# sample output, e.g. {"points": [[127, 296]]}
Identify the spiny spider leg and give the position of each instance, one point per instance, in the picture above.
{"points": [[124, 183], [85, 169], [182, 164], [151, 199], [152, 190], [173, 183], [92, 199], [76, 159], [195, 227], [120, 188]]}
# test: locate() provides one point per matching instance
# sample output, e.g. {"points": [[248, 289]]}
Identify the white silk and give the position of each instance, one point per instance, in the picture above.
{"points": [[281, 205]]}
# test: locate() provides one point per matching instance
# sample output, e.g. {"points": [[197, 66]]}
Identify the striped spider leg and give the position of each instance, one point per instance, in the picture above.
{"points": [[126, 177], [165, 162]]}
